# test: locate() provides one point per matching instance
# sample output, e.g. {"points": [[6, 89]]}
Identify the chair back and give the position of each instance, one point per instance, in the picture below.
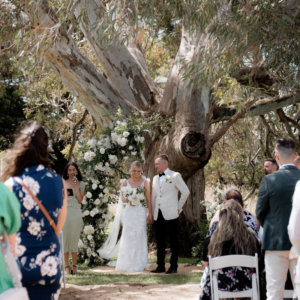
{"points": [[227, 261]]}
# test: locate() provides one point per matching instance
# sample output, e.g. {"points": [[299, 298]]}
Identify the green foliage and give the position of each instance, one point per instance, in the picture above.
{"points": [[11, 111]]}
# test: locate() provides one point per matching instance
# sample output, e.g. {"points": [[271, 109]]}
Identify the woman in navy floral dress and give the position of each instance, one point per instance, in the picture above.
{"points": [[37, 244]]}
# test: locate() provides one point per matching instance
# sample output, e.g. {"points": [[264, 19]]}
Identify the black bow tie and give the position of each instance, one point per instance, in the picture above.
{"points": [[161, 174]]}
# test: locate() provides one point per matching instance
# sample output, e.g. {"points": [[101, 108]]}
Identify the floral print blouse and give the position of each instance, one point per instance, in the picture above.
{"points": [[37, 244]]}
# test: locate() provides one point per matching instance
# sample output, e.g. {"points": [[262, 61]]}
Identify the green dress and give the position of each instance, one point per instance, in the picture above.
{"points": [[10, 220], [73, 225]]}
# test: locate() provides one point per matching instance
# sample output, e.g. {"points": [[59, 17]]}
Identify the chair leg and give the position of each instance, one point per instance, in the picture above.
{"points": [[254, 288], [215, 287]]}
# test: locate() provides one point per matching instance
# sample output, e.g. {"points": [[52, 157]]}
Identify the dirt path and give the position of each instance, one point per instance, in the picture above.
{"points": [[135, 291], [131, 291]]}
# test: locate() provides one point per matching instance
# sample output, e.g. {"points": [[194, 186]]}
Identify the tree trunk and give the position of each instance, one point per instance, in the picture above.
{"points": [[188, 144]]}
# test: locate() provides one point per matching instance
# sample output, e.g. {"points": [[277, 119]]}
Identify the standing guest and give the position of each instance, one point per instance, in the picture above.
{"points": [[270, 166], [297, 162], [37, 243], [274, 205], [294, 232], [231, 237], [10, 221], [73, 224]]}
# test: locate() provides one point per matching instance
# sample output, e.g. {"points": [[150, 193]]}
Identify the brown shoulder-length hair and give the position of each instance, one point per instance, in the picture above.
{"points": [[231, 227], [30, 149]]}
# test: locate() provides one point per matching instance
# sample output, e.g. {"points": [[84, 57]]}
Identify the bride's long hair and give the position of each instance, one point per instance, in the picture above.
{"points": [[231, 227]]}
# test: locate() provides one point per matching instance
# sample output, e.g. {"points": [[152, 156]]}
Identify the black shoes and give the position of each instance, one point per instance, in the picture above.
{"points": [[159, 270], [172, 271]]}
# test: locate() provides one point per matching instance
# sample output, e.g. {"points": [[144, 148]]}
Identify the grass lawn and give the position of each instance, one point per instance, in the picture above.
{"points": [[86, 276]]}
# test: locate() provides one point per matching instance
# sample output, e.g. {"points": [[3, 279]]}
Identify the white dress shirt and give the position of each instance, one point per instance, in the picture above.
{"points": [[161, 178]]}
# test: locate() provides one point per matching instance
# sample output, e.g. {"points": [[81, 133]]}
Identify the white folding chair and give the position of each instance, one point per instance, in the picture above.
{"points": [[233, 261], [61, 255], [288, 294]]}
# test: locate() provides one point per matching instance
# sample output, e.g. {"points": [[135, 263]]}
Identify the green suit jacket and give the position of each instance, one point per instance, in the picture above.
{"points": [[274, 205]]}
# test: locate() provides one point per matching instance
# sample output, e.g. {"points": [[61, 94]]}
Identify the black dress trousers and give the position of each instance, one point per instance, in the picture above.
{"points": [[164, 228]]}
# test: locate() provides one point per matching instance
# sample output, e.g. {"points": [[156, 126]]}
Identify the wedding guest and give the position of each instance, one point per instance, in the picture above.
{"points": [[297, 162], [73, 224], [250, 221], [230, 238], [270, 166], [274, 205], [10, 221], [294, 233], [37, 243]]}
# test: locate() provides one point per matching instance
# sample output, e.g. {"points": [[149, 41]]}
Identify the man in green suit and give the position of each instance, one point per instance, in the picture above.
{"points": [[273, 209]]}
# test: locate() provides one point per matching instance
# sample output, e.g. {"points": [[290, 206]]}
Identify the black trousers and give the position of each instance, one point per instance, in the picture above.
{"points": [[164, 228]]}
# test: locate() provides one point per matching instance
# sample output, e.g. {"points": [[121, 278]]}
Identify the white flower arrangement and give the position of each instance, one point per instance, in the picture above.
{"points": [[134, 196], [94, 186], [130, 147], [102, 150], [112, 159], [106, 191], [126, 134], [97, 202], [89, 195], [133, 153], [89, 229]]}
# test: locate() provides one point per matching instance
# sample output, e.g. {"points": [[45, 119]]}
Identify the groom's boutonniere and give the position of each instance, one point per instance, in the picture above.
{"points": [[168, 177]]}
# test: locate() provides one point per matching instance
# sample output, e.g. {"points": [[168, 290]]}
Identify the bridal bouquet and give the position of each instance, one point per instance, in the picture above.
{"points": [[134, 196]]}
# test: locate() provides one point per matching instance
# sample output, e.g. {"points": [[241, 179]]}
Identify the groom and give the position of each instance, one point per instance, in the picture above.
{"points": [[166, 209]]}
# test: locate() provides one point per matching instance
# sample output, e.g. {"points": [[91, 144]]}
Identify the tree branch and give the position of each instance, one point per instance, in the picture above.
{"points": [[215, 137], [81, 77], [74, 135], [261, 107]]}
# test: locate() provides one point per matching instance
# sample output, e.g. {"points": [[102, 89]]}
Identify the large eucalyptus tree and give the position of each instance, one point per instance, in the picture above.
{"points": [[235, 57]]}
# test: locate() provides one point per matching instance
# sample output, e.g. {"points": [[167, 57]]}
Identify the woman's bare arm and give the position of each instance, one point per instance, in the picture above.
{"points": [[63, 213], [215, 218]]}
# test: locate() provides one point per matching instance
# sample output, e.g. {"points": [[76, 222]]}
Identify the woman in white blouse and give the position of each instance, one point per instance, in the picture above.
{"points": [[294, 232]]}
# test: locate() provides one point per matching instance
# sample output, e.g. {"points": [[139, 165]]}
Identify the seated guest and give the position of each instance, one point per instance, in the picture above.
{"points": [[231, 237], [37, 246], [249, 220]]}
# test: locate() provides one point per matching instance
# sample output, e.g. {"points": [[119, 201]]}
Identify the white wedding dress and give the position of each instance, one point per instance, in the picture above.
{"points": [[133, 252], [132, 246]]}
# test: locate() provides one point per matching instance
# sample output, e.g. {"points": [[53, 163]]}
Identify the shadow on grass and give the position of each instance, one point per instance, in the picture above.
{"points": [[86, 276]]}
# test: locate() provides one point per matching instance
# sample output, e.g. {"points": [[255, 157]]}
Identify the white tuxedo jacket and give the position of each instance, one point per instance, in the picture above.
{"points": [[165, 195]]}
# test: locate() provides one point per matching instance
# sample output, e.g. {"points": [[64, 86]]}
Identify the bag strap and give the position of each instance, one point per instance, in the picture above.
{"points": [[41, 206]]}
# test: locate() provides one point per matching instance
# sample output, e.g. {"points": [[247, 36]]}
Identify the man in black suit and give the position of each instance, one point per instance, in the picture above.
{"points": [[274, 205]]}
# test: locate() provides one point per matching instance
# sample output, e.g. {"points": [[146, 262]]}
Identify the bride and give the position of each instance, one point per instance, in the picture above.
{"points": [[132, 247]]}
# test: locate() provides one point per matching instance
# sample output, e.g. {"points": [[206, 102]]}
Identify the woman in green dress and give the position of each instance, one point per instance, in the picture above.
{"points": [[73, 224], [10, 221]]}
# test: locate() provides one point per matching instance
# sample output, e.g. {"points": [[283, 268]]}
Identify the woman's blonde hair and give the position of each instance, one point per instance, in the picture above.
{"points": [[231, 227], [135, 164]]}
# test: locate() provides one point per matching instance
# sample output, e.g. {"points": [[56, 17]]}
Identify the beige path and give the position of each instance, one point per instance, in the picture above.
{"points": [[131, 291], [135, 291]]}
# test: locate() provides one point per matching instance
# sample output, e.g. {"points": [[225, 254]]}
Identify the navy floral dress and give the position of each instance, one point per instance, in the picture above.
{"points": [[37, 244]]}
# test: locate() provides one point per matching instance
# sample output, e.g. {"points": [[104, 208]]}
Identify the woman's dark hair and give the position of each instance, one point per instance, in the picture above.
{"points": [[30, 149], [65, 174], [234, 195]]}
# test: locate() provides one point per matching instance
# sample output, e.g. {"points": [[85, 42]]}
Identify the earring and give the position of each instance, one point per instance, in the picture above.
{"points": [[67, 175]]}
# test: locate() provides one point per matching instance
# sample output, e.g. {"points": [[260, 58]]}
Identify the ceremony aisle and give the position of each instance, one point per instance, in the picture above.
{"points": [[105, 283]]}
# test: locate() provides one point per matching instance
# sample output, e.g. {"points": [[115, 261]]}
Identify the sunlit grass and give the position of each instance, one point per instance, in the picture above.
{"points": [[86, 276]]}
